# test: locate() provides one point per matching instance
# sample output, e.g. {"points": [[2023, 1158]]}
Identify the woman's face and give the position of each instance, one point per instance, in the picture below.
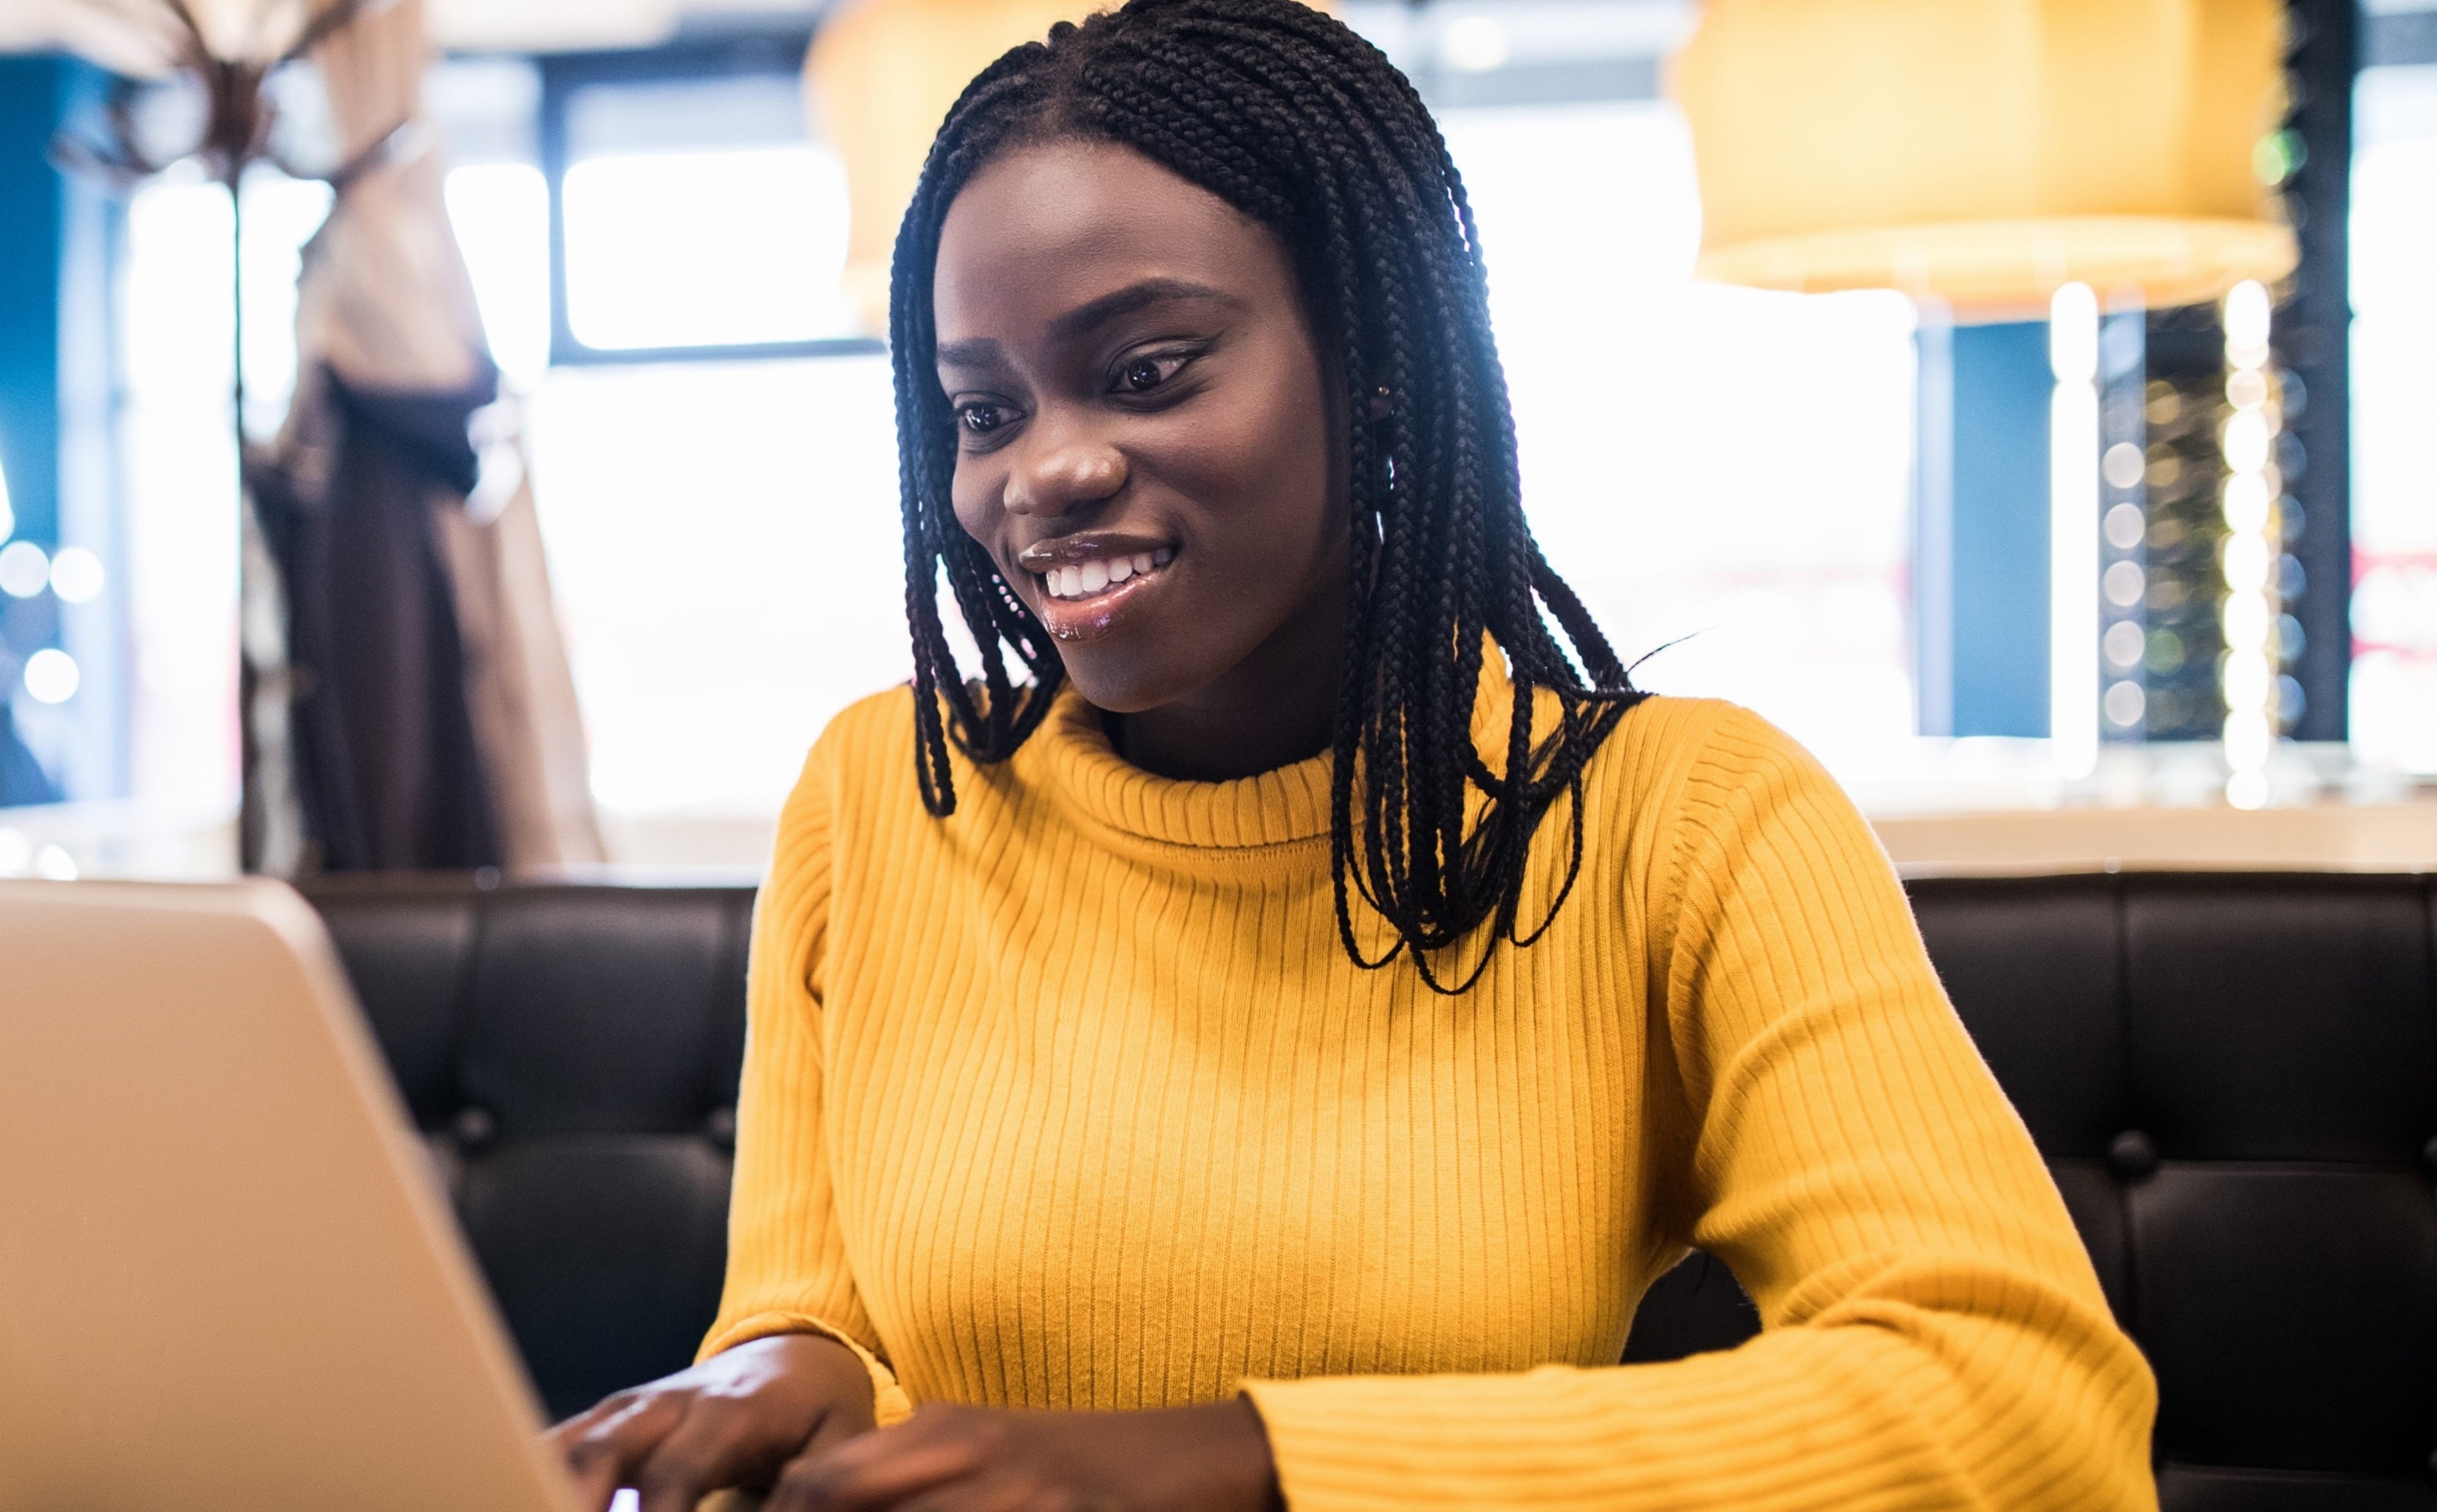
{"points": [[1145, 437]]}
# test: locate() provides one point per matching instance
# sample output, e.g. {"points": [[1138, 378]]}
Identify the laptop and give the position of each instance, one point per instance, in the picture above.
{"points": [[229, 1281]]}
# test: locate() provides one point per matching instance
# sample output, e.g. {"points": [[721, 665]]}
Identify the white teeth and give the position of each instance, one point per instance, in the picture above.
{"points": [[1085, 579]]}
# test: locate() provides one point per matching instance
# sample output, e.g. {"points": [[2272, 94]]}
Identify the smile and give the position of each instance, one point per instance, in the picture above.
{"points": [[1077, 581], [1090, 584]]}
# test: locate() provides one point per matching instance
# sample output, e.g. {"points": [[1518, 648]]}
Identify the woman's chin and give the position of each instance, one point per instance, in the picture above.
{"points": [[1117, 683]]}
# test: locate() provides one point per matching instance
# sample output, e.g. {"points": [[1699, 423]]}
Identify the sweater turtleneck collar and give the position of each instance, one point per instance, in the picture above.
{"points": [[1075, 760], [1071, 755]]}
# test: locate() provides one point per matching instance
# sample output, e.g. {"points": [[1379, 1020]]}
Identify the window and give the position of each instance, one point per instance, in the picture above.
{"points": [[2394, 394], [696, 215], [181, 463], [714, 452], [1723, 472]]}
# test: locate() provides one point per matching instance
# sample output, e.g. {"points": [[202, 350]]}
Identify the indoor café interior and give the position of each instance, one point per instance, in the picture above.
{"points": [[1255, 755]]}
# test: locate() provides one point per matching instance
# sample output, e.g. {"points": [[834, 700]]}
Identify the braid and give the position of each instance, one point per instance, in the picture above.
{"points": [[1297, 122]]}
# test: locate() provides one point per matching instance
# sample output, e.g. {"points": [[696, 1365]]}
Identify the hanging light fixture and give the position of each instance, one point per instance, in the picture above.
{"points": [[878, 82], [1986, 152]]}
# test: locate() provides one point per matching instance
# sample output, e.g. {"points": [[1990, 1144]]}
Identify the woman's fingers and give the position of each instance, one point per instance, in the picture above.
{"points": [[988, 1493], [600, 1445], [732, 1420], [723, 1442], [684, 1467], [837, 1428], [879, 1470]]}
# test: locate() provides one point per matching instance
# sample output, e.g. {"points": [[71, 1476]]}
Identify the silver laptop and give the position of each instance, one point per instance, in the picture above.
{"points": [[228, 1281]]}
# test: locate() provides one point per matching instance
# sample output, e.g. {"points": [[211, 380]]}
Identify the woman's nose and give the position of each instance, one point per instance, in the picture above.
{"points": [[1058, 471]]}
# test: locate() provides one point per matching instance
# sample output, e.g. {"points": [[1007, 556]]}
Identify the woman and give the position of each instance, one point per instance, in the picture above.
{"points": [[1262, 1046]]}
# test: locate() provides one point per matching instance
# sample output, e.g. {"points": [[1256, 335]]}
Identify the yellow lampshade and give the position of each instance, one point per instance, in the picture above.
{"points": [[879, 79], [1986, 151]]}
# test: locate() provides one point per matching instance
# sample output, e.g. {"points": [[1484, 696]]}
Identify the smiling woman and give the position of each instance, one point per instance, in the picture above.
{"points": [[1158, 394], [1256, 1042]]}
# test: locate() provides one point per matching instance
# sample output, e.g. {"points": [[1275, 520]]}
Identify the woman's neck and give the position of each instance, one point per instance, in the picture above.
{"points": [[1275, 708]]}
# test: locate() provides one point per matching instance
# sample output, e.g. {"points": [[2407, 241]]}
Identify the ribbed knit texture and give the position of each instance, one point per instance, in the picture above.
{"points": [[1073, 1100]]}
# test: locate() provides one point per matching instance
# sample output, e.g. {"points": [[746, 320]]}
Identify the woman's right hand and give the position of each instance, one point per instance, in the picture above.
{"points": [[736, 1419]]}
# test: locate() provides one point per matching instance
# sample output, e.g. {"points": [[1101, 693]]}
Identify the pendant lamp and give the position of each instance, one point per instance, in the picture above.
{"points": [[879, 80], [1986, 152]]}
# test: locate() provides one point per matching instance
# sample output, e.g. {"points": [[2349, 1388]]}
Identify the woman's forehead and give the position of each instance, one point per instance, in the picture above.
{"points": [[1048, 229]]}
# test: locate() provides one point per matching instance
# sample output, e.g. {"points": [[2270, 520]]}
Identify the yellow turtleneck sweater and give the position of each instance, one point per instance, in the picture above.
{"points": [[1074, 1100]]}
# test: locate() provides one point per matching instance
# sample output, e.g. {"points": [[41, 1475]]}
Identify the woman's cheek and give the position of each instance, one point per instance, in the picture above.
{"points": [[970, 497]]}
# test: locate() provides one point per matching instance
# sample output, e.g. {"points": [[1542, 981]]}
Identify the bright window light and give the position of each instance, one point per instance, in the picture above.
{"points": [[713, 248], [726, 554], [180, 561], [1728, 468], [2074, 534], [2393, 702], [501, 212]]}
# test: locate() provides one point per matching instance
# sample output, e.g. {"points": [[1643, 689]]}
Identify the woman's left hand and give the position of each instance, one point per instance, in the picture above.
{"points": [[979, 1459]]}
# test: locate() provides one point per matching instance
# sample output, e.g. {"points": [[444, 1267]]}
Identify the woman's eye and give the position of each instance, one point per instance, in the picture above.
{"points": [[980, 419], [1140, 375]]}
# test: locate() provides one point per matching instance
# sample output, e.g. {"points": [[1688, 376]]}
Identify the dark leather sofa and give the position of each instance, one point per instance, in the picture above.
{"points": [[2233, 1076]]}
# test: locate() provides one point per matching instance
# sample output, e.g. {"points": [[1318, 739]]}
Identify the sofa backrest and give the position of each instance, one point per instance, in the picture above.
{"points": [[571, 1054], [2234, 1079]]}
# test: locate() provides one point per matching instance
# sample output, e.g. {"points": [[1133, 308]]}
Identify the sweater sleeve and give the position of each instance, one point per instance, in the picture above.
{"points": [[1934, 1335], [787, 1270]]}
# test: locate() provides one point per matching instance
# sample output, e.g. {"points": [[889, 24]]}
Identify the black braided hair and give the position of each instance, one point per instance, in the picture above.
{"points": [[1289, 116]]}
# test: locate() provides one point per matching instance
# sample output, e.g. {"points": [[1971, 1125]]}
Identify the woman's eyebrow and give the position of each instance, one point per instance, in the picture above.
{"points": [[983, 351], [1132, 297], [980, 351]]}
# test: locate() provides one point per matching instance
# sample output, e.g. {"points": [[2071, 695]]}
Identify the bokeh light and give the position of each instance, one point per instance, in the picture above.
{"points": [[24, 570], [76, 575], [52, 676], [1475, 45]]}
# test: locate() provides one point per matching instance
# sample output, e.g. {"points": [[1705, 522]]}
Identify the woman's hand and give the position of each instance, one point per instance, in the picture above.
{"points": [[976, 1459], [739, 1419]]}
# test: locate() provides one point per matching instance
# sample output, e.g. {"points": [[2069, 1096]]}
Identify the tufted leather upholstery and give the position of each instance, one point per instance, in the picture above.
{"points": [[570, 1053], [2234, 1079]]}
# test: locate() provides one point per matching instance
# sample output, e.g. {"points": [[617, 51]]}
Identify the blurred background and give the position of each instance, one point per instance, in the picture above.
{"points": [[2006, 477]]}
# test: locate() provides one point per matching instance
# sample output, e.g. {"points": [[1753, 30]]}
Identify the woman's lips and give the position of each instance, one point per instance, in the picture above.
{"points": [[1084, 596]]}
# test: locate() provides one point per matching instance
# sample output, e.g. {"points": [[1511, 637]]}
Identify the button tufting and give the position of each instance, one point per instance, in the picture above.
{"points": [[474, 1127], [720, 1127], [2132, 1154], [2428, 1164]]}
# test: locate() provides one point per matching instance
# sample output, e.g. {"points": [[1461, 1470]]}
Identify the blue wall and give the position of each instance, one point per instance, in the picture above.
{"points": [[1999, 530], [57, 404], [33, 213]]}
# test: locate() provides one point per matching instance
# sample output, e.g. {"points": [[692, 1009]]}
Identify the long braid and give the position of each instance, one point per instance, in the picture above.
{"points": [[1293, 119]]}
